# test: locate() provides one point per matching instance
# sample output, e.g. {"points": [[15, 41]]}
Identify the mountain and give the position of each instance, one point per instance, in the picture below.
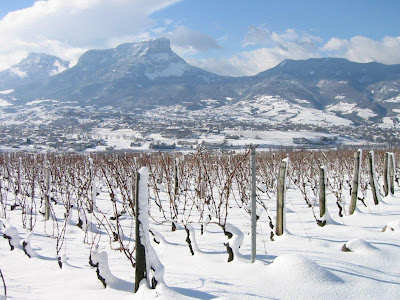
{"points": [[333, 84], [140, 74], [149, 74], [35, 67]]}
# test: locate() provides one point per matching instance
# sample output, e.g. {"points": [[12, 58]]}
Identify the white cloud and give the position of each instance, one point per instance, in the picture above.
{"points": [[186, 41], [289, 39], [257, 35], [363, 49], [289, 44], [68, 28]]}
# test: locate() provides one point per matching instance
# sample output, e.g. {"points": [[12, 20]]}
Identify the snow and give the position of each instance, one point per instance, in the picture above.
{"points": [[365, 113], [272, 137], [359, 246], [17, 72], [348, 108], [209, 101], [118, 139], [58, 68], [122, 138], [237, 239], [12, 235], [101, 259], [303, 101], [176, 69], [260, 109], [396, 110], [274, 109], [394, 99], [34, 102], [393, 225], [342, 107], [387, 121], [298, 269], [4, 103], [307, 262]]}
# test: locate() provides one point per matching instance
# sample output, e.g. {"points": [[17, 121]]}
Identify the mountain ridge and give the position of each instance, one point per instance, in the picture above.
{"points": [[148, 74], [119, 73]]}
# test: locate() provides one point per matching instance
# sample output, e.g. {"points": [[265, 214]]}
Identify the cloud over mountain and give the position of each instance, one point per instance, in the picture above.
{"points": [[363, 49], [188, 41], [268, 49], [68, 28], [264, 49]]}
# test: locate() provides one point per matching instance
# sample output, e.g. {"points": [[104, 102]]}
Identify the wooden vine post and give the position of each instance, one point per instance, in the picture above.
{"points": [[386, 174], [280, 205], [93, 185], [140, 269], [19, 177], [176, 179], [356, 181], [322, 191], [372, 178], [392, 168], [253, 206], [176, 193], [48, 192]]}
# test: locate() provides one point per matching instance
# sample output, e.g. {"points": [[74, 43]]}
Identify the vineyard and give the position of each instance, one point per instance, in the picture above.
{"points": [[250, 225]]}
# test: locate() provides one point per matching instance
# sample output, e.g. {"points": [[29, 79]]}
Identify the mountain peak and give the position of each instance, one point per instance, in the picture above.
{"points": [[126, 53], [41, 59], [134, 71], [159, 43], [154, 45], [34, 67]]}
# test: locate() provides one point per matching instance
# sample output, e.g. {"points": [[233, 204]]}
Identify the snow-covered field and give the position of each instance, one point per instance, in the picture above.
{"points": [[124, 139], [261, 109], [306, 262]]}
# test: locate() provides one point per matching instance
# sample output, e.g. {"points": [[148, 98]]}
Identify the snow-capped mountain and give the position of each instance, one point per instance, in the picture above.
{"points": [[35, 67], [149, 74], [331, 81], [134, 74], [357, 91]]}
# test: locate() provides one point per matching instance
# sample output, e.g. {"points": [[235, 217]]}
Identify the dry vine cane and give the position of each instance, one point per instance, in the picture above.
{"points": [[4, 284]]}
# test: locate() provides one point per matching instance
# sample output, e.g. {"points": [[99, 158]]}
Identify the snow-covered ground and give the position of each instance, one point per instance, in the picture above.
{"points": [[262, 109], [307, 262], [349, 108], [124, 139]]}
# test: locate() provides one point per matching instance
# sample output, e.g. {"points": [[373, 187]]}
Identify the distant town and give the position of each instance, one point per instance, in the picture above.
{"points": [[61, 127]]}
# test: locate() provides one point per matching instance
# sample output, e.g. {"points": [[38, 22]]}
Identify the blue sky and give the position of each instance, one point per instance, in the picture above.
{"points": [[230, 37], [342, 18]]}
